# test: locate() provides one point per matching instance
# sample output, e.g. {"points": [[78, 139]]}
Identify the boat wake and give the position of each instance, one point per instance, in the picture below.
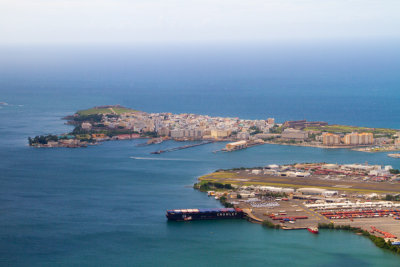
{"points": [[174, 159]]}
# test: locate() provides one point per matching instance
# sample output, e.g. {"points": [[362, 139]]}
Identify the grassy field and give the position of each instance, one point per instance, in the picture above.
{"points": [[110, 110], [218, 175], [348, 129], [234, 182], [362, 187]]}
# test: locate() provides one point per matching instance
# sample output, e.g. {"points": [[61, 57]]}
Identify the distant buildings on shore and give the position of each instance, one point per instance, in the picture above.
{"points": [[188, 126], [304, 124], [330, 139], [203, 127], [294, 134], [359, 139], [132, 124]]}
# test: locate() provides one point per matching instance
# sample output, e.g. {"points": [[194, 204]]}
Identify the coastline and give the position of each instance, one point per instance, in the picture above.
{"points": [[378, 240], [290, 207], [309, 145], [115, 122]]}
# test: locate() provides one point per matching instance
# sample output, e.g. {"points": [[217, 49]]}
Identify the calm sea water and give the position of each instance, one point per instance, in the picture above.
{"points": [[105, 205]]}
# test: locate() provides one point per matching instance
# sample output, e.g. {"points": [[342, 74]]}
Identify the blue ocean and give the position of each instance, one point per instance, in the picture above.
{"points": [[105, 205]]}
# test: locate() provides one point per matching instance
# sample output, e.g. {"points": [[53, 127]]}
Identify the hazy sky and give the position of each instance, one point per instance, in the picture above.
{"points": [[165, 21]]}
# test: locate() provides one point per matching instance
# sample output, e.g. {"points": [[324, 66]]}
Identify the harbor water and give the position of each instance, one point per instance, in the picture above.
{"points": [[105, 205]]}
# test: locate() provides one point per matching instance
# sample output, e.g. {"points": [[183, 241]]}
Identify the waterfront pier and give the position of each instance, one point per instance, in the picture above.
{"points": [[180, 147]]}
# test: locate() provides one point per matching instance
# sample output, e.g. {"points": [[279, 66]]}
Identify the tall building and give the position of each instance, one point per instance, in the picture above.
{"points": [[177, 133], [351, 139], [164, 131], [220, 133], [330, 139], [366, 138], [358, 139], [397, 141]]}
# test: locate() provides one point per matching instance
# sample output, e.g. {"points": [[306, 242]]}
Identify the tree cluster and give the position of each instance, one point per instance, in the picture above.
{"points": [[392, 197], [213, 185], [42, 139], [89, 118], [270, 224]]}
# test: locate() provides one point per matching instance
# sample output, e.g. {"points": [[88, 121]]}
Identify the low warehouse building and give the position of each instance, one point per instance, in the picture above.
{"points": [[236, 145], [311, 191]]}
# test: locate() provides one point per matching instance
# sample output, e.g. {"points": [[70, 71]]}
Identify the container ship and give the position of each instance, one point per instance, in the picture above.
{"points": [[204, 214]]}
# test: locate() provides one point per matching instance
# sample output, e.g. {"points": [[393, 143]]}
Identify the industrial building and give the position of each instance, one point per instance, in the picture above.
{"points": [[311, 191], [236, 145]]}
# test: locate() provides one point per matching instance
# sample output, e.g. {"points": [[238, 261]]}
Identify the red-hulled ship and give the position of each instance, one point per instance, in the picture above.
{"points": [[313, 230]]}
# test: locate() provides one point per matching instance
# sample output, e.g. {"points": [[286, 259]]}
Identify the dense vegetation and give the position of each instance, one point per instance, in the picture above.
{"points": [[268, 138], [108, 132], [205, 186], [255, 130], [378, 241], [88, 118], [270, 225], [79, 130], [42, 139], [225, 203], [392, 198], [105, 110], [276, 129], [150, 134], [208, 186]]}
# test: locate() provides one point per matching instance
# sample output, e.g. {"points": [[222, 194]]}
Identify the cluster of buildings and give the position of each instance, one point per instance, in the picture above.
{"points": [[363, 172], [255, 193], [353, 205], [203, 127], [312, 170], [330, 139], [187, 126], [252, 191]]}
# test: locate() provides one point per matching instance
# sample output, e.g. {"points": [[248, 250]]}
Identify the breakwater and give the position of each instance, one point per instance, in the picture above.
{"points": [[180, 147]]}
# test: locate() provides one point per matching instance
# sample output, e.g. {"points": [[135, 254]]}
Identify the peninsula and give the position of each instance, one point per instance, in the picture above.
{"points": [[115, 122]]}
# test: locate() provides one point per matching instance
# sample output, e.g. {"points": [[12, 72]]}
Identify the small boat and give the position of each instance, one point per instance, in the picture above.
{"points": [[313, 230]]}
